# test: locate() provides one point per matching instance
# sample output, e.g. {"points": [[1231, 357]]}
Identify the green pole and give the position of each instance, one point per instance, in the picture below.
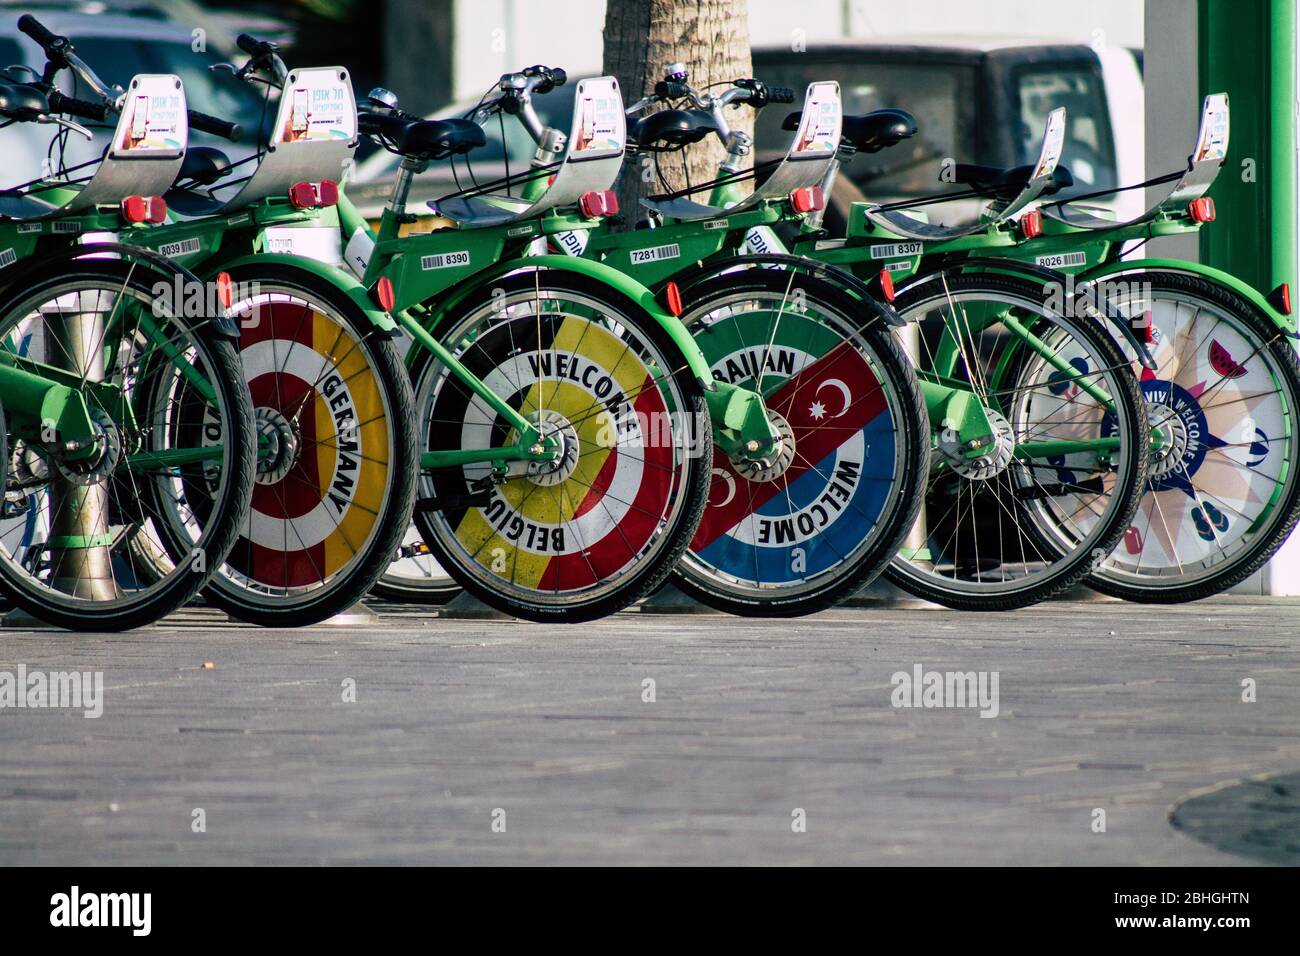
{"points": [[1249, 50]]}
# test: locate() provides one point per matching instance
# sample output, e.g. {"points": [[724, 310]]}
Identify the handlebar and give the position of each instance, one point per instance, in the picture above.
{"points": [[85, 109], [47, 40], [254, 47], [217, 127], [60, 53]]}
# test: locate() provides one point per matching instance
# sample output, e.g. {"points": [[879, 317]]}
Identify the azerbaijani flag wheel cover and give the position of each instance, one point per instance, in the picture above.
{"points": [[1221, 401], [324, 432], [559, 533], [808, 513]]}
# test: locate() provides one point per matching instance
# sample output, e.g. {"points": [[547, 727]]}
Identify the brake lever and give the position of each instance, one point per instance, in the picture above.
{"points": [[64, 121]]}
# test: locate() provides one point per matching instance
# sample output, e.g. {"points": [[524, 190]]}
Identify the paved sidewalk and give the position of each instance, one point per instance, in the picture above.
{"points": [[1102, 705]]}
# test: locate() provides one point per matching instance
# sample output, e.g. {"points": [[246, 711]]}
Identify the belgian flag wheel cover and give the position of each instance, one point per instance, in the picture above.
{"points": [[810, 514], [324, 441], [580, 526]]}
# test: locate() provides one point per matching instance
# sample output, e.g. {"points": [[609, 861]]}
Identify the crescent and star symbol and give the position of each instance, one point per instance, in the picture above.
{"points": [[818, 411]]}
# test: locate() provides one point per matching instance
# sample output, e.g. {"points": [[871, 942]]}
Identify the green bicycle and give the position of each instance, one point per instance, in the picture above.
{"points": [[118, 503]]}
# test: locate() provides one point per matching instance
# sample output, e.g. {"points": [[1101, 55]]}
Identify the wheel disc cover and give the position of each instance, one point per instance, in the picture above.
{"points": [[558, 532], [318, 503], [782, 530]]}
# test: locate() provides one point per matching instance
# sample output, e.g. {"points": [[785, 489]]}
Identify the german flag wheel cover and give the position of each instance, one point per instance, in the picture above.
{"points": [[774, 532], [578, 527], [324, 440]]}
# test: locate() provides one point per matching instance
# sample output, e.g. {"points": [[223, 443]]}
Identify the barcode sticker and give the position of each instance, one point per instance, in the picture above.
{"points": [[897, 249], [184, 247], [1062, 259], [656, 254], [7, 257], [446, 260]]}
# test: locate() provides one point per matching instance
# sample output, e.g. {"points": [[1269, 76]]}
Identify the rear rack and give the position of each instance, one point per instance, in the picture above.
{"points": [[592, 160], [888, 217], [313, 140], [143, 159], [1203, 167], [804, 165]]}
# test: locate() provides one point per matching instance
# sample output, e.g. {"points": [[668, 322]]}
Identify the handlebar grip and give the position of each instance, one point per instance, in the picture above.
{"points": [[559, 76], [253, 46], [85, 109], [36, 30], [217, 127], [780, 94]]}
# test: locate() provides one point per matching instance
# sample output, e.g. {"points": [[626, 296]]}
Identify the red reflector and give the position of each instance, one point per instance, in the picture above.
{"points": [[1202, 210], [596, 204], [887, 285], [327, 193], [1148, 328], [302, 195], [135, 208], [673, 298], [225, 290], [808, 199], [384, 293], [1280, 298], [1031, 224], [157, 209]]}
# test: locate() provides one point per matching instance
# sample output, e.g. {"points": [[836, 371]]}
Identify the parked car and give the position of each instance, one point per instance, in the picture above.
{"points": [[981, 104], [117, 46], [977, 101]]}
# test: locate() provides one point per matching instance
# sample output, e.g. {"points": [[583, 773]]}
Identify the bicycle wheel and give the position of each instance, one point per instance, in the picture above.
{"points": [[829, 509], [336, 472], [1223, 492], [603, 524], [120, 531], [1048, 489], [415, 576]]}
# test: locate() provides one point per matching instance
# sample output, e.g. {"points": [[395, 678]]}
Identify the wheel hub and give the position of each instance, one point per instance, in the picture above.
{"points": [[98, 466], [1168, 457], [554, 425], [773, 465], [992, 461], [278, 445]]}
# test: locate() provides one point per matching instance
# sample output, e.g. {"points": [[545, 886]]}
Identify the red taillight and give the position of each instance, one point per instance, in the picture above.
{"points": [[1201, 210], [1280, 298], [225, 290], [673, 298], [808, 199], [1031, 224], [887, 285], [144, 209], [314, 195], [593, 205], [384, 293], [302, 196]]}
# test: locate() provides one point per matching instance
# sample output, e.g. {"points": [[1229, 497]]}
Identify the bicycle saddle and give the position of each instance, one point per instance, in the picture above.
{"points": [[18, 101], [203, 165], [997, 183], [869, 132], [426, 139], [674, 127]]}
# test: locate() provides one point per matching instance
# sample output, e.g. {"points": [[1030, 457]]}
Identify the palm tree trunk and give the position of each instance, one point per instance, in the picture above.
{"points": [[642, 37]]}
